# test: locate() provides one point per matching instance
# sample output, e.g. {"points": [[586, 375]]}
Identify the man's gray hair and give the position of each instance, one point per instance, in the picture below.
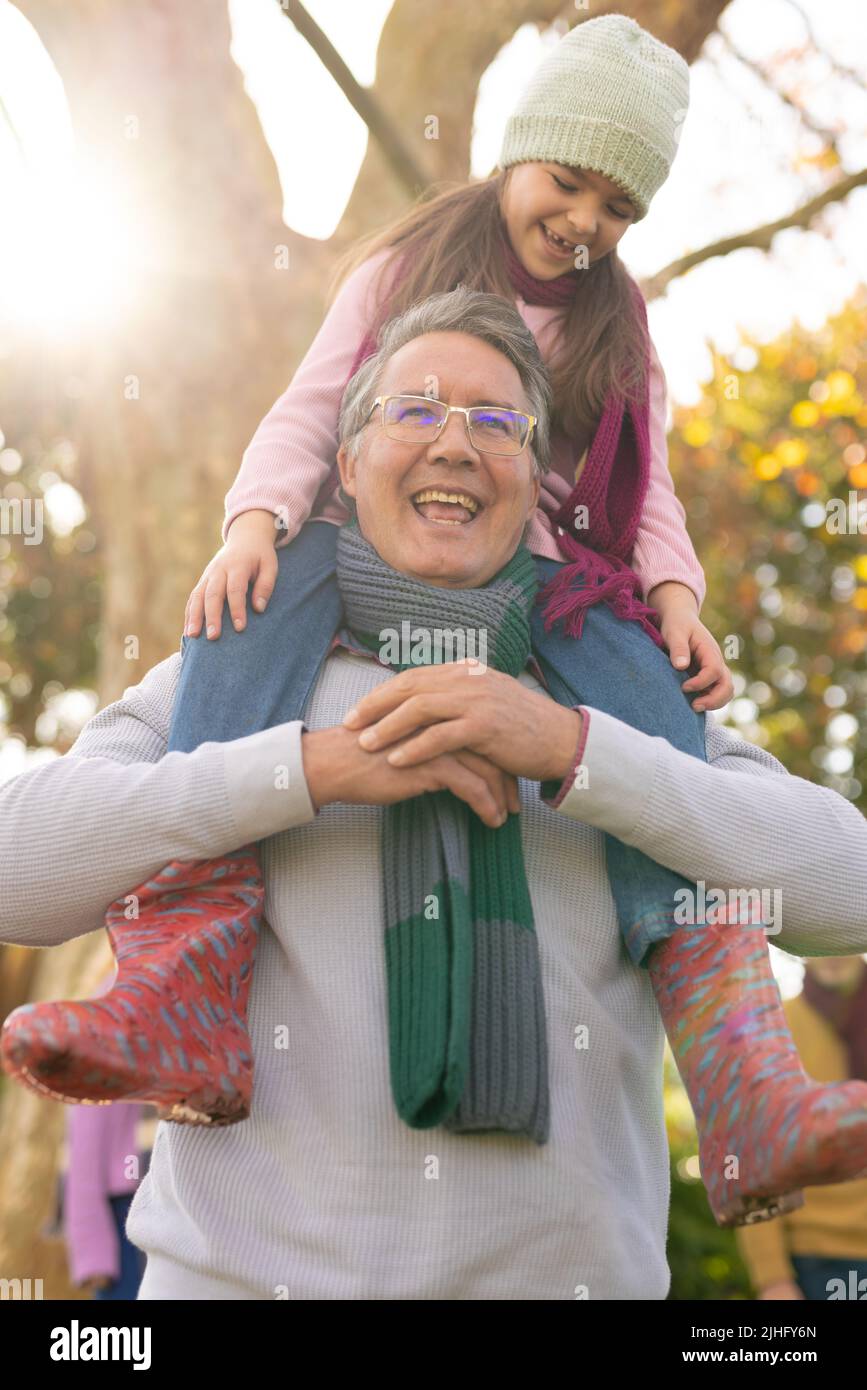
{"points": [[484, 316]]}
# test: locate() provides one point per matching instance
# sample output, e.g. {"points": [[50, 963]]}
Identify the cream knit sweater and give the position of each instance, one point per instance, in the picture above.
{"points": [[324, 1193]]}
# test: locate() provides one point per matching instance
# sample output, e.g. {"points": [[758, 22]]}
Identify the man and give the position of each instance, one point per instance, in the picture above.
{"points": [[324, 1191]]}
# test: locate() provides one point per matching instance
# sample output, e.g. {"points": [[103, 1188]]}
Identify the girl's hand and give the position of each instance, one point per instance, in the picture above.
{"points": [[688, 637], [688, 641], [248, 554]]}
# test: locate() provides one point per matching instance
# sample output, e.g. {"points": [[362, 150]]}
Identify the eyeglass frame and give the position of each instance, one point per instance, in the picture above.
{"points": [[464, 410]]}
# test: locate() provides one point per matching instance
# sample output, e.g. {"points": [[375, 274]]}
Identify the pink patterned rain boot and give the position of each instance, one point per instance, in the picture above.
{"points": [[172, 1030], [766, 1129]]}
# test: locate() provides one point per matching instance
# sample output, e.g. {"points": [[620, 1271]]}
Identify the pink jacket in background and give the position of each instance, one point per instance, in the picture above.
{"points": [[294, 449], [101, 1140]]}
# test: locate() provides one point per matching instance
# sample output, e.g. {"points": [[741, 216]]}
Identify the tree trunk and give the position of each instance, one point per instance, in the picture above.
{"points": [[431, 59], [172, 395]]}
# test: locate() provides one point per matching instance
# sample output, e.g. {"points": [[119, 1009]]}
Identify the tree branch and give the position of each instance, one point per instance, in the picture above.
{"points": [[764, 72], [838, 67], [759, 237], [410, 174]]}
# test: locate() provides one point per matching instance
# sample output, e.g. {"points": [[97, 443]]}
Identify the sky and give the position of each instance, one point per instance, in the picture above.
{"points": [[733, 168], [743, 159]]}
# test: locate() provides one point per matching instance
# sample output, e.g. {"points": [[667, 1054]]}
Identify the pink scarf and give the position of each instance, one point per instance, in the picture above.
{"points": [[612, 488]]}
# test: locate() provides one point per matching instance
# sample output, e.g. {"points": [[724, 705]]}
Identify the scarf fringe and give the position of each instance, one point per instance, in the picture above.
{"points": [[607, 579]]}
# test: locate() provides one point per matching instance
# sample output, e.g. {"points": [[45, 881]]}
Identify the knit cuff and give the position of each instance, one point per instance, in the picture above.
{"points": [[552, 792], [265, 781], [616, 777]]}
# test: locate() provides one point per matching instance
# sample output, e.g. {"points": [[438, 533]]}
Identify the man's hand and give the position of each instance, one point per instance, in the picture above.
{"points": [[465, 705], [96, 1281], [336, 768]]}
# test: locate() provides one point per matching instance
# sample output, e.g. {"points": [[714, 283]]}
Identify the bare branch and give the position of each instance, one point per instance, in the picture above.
{"points": [[410, 174], [838, 67], [760, 237], [764, 72]]}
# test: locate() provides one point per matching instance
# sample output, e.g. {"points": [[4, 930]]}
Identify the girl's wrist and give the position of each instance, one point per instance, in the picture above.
{"points": [[672, 594], [257, 522]]}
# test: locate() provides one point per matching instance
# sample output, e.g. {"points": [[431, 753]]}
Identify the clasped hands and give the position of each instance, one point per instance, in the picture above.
{"points": [[459, 726]]}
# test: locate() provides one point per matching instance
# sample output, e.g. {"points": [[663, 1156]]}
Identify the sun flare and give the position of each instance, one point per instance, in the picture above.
{"points": [[70, 240]]}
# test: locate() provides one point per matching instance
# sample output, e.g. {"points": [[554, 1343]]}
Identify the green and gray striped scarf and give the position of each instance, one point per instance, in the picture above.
{"points": [[466, 1011]]}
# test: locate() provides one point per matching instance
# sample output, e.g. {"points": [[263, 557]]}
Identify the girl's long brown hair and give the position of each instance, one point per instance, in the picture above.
{"points": [[453, 234]]}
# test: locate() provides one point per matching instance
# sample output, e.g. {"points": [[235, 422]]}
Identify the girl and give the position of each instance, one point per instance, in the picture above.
{"points": [[586, 148]]}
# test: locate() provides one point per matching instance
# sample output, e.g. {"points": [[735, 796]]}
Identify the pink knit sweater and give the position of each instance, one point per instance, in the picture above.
{"points": [[294, 448]]}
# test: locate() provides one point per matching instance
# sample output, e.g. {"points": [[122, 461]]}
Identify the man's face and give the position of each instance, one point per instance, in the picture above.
{"points": [[460, 550]]}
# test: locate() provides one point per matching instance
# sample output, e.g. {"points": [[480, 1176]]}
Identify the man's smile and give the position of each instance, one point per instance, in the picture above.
{"points": [[446, 507]]}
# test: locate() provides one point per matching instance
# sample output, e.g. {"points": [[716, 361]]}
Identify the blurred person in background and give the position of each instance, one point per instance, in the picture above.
{"points": [[107, 1155], [819, 1251]]}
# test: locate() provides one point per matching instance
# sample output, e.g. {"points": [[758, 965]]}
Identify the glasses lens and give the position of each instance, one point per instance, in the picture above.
{"points": [[498, 431], [413, 418]]}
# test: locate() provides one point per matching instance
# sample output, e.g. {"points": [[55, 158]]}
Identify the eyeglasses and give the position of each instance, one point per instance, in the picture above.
{"points": [[492, 429]]}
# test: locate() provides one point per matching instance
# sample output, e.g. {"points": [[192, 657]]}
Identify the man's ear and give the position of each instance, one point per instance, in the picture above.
{"points": [[346, 467]]}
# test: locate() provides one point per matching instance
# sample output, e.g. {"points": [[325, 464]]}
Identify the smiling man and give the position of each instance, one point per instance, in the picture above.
{"points": [[328, 1190], [431, 511]]}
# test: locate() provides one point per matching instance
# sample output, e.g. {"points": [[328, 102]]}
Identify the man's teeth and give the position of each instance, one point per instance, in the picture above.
{"points": [[460, 498]]}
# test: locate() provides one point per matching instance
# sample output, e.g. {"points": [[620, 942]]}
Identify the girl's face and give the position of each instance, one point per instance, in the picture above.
{"points": [[551, 210]]}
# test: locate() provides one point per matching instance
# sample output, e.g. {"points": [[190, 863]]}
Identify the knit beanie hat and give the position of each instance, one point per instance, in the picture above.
{"points": [[609, 97]]}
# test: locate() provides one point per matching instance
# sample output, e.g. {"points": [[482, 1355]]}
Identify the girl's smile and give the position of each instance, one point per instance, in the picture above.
{"points": [[558, 246]]}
